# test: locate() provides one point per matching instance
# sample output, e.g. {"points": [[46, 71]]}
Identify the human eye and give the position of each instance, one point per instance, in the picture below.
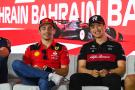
{"points": [[91, 26], [43, 28], [50, 27]]}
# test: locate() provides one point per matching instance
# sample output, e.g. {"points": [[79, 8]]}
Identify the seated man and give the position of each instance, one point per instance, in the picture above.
{"points": [[101, 62], [130, 82], [44, 63], [4, 53]]}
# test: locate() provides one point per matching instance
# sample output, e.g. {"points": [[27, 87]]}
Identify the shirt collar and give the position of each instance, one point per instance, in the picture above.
{"points": [[41, 45], [102, 43]]}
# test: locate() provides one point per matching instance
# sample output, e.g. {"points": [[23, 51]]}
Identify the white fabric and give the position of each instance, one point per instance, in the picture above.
{"points": [[25, 87], [28, 87], [94, 88], [5, 86], [130, 66]]}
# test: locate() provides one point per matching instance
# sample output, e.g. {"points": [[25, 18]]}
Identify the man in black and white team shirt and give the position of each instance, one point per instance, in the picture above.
{"points": [[101, 62]]}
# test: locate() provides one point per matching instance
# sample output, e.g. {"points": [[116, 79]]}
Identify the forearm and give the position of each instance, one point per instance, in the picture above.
{"points": [[84, 70], [118, 71], [62, 71]]}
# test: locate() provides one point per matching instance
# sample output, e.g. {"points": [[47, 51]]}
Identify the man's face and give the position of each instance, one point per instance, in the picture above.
{"points": [[97, 30], [46, 31]]}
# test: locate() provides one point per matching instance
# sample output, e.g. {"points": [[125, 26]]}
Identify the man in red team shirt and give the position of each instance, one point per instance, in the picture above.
{"points": [[44, 63]]}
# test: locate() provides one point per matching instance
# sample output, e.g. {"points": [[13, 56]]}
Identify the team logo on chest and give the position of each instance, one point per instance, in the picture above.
{"points": [[110, 47], [93, 48], [36, 53], [56, 47], [55, 55]]}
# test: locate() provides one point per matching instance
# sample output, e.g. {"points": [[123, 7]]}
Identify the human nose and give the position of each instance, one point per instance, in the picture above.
{"points": [[47, 29]]}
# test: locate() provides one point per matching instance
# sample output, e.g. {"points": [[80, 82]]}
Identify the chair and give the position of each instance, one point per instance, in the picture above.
{"points": [[95, 88], [5, 86], [63, 86]]}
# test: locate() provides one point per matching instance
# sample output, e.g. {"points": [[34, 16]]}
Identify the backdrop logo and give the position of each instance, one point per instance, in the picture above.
{"points": [[28, 12]]}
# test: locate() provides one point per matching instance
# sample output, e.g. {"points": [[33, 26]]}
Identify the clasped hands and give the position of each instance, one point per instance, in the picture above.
{"points": [[101, 73]]}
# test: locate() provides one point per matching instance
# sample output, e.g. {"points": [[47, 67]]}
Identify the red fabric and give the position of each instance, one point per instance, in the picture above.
{"points": [[101, 57], [55, 58], [46, 21]]}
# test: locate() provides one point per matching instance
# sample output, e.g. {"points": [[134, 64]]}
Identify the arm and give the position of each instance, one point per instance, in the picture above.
{"points": [[64, 60], [120, 70], [63, 71], [82, 69], [5, 47], [121, 63], [82, 63], [4, 52]]}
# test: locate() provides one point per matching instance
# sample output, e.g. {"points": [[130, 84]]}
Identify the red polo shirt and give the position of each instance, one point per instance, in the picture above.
{"points": [[54, 56]]}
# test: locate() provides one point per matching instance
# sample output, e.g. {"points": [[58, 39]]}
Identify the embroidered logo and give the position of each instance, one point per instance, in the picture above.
{"points": [[94, 18], [37, 53], [56, 48], [55, 55]]}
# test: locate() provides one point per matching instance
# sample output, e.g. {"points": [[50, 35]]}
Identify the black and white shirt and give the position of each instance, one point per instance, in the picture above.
{"points": [[104, 56]]}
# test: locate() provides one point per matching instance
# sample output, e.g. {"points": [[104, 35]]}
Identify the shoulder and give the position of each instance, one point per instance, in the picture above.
{"points": [[35, 46], [58, 47], [1, 38], [114, 43], [4, 39], [59, 44], [88, 43]]}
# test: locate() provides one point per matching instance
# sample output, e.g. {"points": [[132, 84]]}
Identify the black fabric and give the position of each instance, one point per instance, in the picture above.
{"points": [[96, 19], [112, 81], [3, 70], [57, 47], [35, 46], [104, 56]]}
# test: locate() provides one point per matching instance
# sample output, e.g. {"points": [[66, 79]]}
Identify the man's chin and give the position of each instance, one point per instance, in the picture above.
{"points": [[98, 36], [47, 39]]}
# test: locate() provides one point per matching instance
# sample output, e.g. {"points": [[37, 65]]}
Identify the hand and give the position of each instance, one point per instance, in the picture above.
{"points": [[103, 72], [4, 52], [48, 69], [37, 67], [95, 73]]}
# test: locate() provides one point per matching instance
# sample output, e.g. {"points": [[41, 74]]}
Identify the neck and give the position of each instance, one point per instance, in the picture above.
{"points": [[101, 39], [47, 43]]}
